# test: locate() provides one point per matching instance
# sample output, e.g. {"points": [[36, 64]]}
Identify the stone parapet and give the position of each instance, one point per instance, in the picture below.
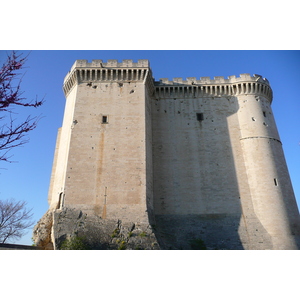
{"points": [[112, 71], [111, 63], [219, 86], [246, 77]]}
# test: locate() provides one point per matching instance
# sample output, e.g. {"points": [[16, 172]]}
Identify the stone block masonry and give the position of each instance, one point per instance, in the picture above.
{"points": [[181, 164]]}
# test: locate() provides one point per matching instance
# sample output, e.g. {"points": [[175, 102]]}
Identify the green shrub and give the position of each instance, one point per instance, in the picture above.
{"points": [[115, 232], [122, 246]]}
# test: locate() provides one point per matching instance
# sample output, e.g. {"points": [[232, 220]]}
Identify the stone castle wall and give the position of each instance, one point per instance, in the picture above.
{"points": [[190, 160]]}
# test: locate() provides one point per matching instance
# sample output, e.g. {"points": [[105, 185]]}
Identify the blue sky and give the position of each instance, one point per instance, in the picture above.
{"points": [[28, 178]]}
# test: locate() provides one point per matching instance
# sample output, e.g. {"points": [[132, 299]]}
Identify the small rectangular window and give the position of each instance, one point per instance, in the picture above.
{"points": [[104, 119], [264, 113], [275, 182], [200, 117]]}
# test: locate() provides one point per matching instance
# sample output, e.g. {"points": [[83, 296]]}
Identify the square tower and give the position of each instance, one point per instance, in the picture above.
{"points": [[103, 159]]}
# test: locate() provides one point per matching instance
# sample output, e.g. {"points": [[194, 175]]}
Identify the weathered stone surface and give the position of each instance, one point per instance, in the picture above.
{"points": [[102, 234], [42, 231]]}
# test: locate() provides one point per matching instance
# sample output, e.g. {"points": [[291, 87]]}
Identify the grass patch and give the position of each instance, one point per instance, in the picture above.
{"points": [[115, 232], [122, 246]]}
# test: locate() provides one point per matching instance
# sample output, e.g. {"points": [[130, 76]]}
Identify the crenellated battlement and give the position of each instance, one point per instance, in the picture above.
{"points": [[217, 80], [219, 86], [112, 63], [112, 70], [127, 70]]}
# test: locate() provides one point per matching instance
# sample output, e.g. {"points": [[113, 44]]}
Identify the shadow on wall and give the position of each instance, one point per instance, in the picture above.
{"points": [[197, 201]]}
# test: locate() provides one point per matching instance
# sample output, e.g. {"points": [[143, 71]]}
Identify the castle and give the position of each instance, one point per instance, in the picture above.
{"points": [[168, 164]]}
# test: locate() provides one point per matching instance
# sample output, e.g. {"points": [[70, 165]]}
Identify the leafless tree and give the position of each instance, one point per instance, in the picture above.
{"points": [[15, 218], [12, 134]]}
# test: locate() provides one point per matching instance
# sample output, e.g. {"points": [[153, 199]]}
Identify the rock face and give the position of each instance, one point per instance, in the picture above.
{"points": [[42, 231], [94, 232]]}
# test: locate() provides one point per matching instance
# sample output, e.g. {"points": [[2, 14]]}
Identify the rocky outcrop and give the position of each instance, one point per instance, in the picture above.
{"points": [[101, 234], [42, 231]]}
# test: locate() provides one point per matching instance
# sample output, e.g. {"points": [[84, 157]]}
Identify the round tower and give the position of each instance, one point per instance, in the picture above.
{"points": [[272, 195]]}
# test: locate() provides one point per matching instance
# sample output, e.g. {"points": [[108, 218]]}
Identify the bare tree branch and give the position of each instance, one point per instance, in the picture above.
{"points": [[12, 134], [14, 219]]}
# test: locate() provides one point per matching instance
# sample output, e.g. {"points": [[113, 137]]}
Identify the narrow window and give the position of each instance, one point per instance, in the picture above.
{"points": [[61, 201], [264, 113], [200, 117], [104, 119], [275, 182]]}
